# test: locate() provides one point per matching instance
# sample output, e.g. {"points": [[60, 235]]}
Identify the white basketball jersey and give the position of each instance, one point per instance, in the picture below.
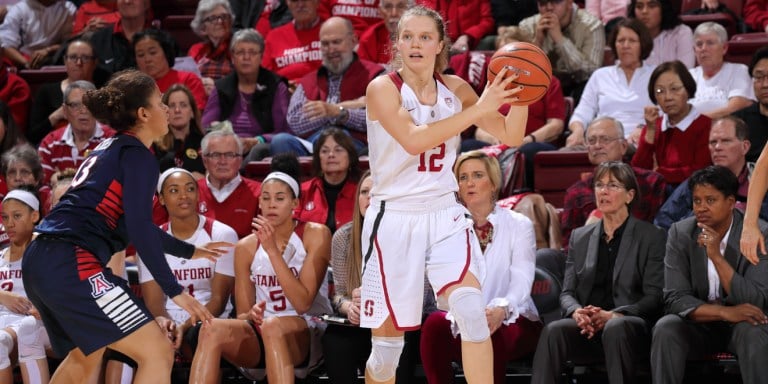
{"points": [[196, 275], [399, 176], [268, 287], [10, 277]]}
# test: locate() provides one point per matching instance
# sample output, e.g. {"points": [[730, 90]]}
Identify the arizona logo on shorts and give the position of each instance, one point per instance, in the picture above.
{"points": [[99, 285]]}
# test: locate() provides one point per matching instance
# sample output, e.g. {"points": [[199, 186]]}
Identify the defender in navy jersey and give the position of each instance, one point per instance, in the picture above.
{"points": [[84, 306]]}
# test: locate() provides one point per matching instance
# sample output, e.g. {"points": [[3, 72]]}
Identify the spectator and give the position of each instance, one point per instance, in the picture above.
{"points": [[466, 22], [756, 15], [328, 198], [112, 44], [15, 93], [572, 38], [727, 145], [224, 195], [756, 115], [33, 31], [155, 56], [612, 292], [511, 13], [48, 109], [93, 15], [376, 42], [294, 50], [180, 147], [210, 282], [618, 91], [605, 142], [715, 299], [508, 244], [672, 40], [10, 134], [362, 14], [67, 147], [722, 87], [63, 180], [674, 143], [334, 95], [278, 290], [253, 98], [213, 23], [261, 15], [21, 166], [607, 11]]}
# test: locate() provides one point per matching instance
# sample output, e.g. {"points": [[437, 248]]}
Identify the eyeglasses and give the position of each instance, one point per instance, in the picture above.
{"points": [[82, 59], [673, 90], [216, 19], [758, 78], [249, 53], [611, 186], [604, 140], [75, 106], [224, 155]]}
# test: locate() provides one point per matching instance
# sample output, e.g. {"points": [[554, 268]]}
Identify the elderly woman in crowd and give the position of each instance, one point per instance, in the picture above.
{"points": [[508, 243], [672, 40], [612, 292], [677, 142], [253, 98], [618, 91], [213, 23]]}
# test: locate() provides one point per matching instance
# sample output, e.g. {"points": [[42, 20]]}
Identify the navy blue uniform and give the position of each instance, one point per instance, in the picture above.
{"points": [[109, 204]]}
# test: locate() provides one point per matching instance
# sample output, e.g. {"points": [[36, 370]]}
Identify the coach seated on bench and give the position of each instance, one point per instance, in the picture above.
{"points": [[508, 243], [715, 299], [612, 288]]}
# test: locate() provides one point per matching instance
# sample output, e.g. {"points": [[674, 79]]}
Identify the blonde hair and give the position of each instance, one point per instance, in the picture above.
{"points": [[512, 34], [491, 167], [441, 63]]}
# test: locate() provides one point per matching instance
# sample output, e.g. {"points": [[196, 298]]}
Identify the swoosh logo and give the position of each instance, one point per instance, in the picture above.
{"points": [[456, 218], [109, 61]]}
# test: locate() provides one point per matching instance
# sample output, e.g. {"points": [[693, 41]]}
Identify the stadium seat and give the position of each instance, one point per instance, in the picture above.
{"points": [[556, 171], [37, 77], [179, 28], [728, 21], [545, 293], [741, 47]]}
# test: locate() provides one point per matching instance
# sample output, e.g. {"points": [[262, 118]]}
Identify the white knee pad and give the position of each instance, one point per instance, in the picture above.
{"points": [[32, 339], [468, 310], [6, 347], [385, 355]]}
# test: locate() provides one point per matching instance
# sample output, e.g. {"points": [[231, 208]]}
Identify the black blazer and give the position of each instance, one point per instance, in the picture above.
{"points": [[638, 273], [686, 285]]}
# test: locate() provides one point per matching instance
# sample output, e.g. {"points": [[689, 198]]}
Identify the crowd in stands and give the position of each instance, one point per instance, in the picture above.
{"points": [[649, 261]]}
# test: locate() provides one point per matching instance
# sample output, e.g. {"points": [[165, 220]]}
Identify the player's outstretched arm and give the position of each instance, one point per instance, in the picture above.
{"points": [[416, 139], [752, 241]]}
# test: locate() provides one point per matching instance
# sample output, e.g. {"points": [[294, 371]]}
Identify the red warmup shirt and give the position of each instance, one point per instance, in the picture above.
{"points": [[88, 10], [58, 152], [15, 93], [678, 154], [362, 14], [237, 211], [313, 206], [293, 53], [375, 44], [191, 80], [464, 17]]}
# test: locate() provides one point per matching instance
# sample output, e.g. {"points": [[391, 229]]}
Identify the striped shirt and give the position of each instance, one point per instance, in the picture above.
{"points": [[58, 150]]}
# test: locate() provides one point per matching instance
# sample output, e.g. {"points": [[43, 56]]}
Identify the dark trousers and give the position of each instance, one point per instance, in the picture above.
{"points": [[621, 344], [676, 340]]}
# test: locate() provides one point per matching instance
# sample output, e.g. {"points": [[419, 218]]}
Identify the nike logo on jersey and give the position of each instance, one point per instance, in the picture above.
{"points": [[109, 61], [456, 218]]}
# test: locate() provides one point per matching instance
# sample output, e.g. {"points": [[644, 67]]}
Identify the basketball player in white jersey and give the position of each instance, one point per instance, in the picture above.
{"points": [[414, 220], [19, 330], [209, 282], [279, 285]]}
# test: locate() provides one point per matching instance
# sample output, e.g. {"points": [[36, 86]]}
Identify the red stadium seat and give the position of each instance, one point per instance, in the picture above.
{"points": [[556, 171], [37, 77], [741, 47], [726, 20], [178, 27]]}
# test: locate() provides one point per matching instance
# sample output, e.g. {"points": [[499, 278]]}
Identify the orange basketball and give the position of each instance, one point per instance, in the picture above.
{"points": [[530, 62]]}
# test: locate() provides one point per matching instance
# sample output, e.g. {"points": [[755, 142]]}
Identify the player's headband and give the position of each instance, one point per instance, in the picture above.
{"points": [[284, 177], [169, 172], [25, 197]]}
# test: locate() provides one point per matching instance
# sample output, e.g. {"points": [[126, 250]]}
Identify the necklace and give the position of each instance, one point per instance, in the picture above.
{"points": [[484, 234]]}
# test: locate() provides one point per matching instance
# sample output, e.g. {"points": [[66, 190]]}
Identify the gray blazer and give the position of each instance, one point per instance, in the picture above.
{"points": [[638, 273], [686, 285]]}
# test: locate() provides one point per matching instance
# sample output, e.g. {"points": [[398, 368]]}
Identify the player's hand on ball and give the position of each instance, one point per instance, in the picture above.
{"points": [[496, 93], [198, 311], [213, 250]]}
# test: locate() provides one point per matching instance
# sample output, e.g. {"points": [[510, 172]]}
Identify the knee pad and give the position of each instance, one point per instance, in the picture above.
{"points": [[385, 355], [32, 340], [468, 310], [6, 347]]}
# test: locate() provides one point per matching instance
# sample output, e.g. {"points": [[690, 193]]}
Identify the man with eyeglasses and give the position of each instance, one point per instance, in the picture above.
{"points": [[67, 147], [334, 95], [376, 42], [573, 39], [224, 195], [728, 145], [33, 30], [756, 115], [605, 142]]}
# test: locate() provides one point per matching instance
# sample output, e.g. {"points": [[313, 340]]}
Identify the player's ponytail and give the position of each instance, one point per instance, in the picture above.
{"points": [[117, 102]]}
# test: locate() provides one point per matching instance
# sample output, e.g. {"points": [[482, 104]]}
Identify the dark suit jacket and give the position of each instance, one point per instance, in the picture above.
{"points": [[638, 273], [686, 285]]}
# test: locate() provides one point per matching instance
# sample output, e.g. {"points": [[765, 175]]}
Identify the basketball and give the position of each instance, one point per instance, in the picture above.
{"points": [[530, 62]]}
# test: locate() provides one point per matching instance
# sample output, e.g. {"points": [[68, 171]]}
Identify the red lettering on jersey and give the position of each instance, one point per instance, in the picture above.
{"points": [[99, 285], [368, 308]]}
